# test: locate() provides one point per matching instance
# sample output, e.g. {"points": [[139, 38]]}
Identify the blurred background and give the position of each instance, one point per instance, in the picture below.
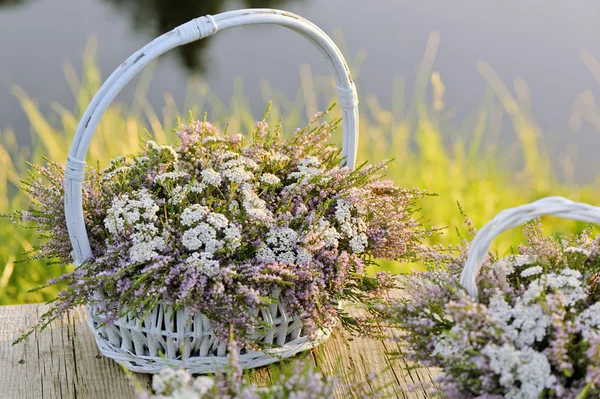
{"points": [[489, 104]]}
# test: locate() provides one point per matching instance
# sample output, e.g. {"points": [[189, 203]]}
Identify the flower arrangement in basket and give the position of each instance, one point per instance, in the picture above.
{"points": [[174, 245], [531, 330]]}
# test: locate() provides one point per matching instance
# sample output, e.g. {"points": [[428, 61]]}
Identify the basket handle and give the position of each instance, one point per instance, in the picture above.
{"points": [[196, 29], [513, 217]]}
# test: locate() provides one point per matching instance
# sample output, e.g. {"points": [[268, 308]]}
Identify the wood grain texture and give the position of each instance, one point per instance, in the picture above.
{"points": [[63, 362]]}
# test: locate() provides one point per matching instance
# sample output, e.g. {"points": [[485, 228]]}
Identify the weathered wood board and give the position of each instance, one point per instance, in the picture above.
{"points": [[63, 362]]}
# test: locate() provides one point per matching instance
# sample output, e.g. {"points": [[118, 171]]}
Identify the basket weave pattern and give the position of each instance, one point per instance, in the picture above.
{"points": [[143, 345]]}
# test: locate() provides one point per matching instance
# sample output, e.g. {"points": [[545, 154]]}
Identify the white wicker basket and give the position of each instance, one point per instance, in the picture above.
{"points": [[165, 339], [513, 217]]}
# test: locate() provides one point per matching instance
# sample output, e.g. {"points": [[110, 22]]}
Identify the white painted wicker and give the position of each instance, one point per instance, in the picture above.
{"points": [[513, 217], [164, 339]]}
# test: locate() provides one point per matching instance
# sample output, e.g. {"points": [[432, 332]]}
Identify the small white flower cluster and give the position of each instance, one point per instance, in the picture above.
{"points": [[211, 178], [114, 163], [307, 169], [568, 281], [270, 179], [281, 245], [176, 175], [255, 207], [277, 157], [239, 170], [532, 271], [110, 176], [324, 235], [578, 250], [179, 193], [178, 384], [525, 323], [525, 373], [208, 233], [589, 321], [350, 226], [137, 212], [510, 262], [169, 151]]}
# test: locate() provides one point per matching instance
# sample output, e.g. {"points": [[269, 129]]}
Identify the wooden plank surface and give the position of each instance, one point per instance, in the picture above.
{"points": [[63, 362]]}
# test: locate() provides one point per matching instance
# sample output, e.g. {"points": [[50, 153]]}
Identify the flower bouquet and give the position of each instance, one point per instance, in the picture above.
{"points": [[174, 245], [532, 330], [267, 235]]}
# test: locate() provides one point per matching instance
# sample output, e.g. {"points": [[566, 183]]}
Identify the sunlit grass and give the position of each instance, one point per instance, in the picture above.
{"points": [[463, 164]]}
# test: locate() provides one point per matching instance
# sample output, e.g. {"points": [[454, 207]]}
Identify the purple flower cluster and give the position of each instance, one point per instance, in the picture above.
{"points": [[535, 332], [217, 225]]}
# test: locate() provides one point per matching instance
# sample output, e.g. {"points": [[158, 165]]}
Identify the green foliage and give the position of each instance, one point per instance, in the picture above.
{"points": [[461, 164]]}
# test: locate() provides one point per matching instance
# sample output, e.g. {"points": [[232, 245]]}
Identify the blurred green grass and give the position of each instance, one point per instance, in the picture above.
{"points": [[466, 164]]}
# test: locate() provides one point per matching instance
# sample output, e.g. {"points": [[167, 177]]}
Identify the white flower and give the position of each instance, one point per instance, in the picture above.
{"points": [[352, 227], [359, 242], [238, 175], [184, 393], [282, 238], [196, 187], [141, 160], [589, 320], [280, 245], [304, 173], [259, 215], [177, 195], [255, 207], [211, 177], [212, 139], [193, 214], [324, 235], [234, 207], [578, 250], [310, 161], [266, 254], [500, 310], [129, 209], [197, 236], [204, 262], [108, 176], [170, 379], [114, 162], [151, 145], [532, 271], [270, 179], [233, 236], [531, 322], [278, 157], [217, 220], [171, 176], [568, 281], [304, 257], [521, 260], [146, 244], [210, 230], [203, 384], [343, 212], [523, 373], [240, 162], [445, 346]]}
